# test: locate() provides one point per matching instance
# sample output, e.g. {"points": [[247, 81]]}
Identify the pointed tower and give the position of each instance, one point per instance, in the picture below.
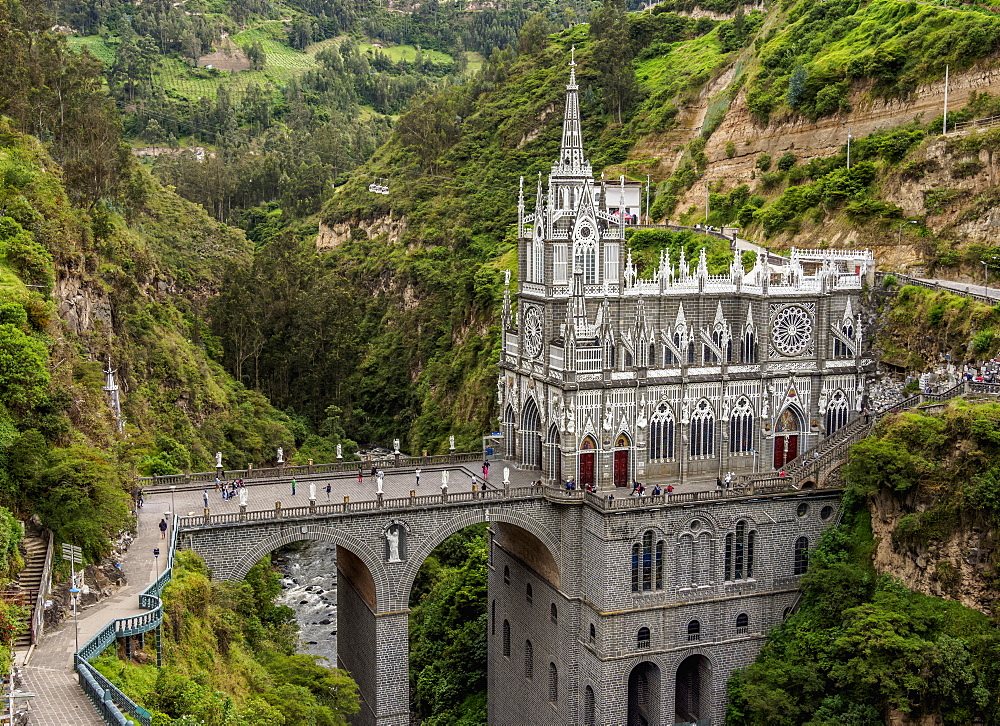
{"points": [[111, 388], [571, 157]]}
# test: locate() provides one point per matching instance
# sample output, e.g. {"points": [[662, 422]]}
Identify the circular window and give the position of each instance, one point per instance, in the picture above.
{"points": [[792, 330], [532, 332], [584, 231], [695, 524], [826, 513], [803, 509]]}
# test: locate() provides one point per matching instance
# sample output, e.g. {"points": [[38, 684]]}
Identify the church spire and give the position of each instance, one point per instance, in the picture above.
{"points": [[571, 154]]}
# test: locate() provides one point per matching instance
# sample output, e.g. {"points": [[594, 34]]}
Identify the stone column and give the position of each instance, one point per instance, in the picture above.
{"points": [[392, 707]]}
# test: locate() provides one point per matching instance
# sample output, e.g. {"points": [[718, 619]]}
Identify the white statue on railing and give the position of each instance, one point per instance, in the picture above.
{"points": [[281, 455], [243, 496], [218, 459], [312, 491]]}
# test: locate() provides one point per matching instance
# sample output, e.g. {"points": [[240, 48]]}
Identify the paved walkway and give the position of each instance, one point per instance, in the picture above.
{"points": [[990, 291]]}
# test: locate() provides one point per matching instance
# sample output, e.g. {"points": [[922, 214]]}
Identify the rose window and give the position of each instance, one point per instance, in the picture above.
{"points": [[792, 330]]}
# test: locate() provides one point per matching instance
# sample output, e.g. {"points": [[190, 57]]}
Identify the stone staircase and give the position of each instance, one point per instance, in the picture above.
{"points": [[29, 581]]}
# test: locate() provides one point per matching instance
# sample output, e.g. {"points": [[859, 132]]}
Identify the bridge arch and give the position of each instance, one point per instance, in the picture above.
{"points": [[466, 519], [368, 557]]}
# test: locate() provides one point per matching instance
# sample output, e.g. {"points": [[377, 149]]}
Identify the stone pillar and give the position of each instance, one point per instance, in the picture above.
{"points": [[243, 512], [392, 706]]}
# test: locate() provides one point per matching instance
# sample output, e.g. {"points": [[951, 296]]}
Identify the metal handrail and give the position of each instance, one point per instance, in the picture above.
{"points": [[44, 587], [109, 701]]}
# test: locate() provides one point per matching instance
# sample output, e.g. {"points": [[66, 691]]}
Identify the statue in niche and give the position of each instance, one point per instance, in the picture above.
{"points": [[395, 543], [607, 418]]}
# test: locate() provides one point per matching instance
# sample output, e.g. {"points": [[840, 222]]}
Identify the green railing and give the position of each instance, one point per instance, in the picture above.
{"points": [[112, 705]]}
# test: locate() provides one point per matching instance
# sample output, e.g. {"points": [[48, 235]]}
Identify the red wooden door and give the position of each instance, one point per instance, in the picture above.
{"points": [[586, 468], [621, 468], [786, 448]]}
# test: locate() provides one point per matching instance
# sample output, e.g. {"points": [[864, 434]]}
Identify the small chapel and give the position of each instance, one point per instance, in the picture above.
{"points": [[608, 378]]}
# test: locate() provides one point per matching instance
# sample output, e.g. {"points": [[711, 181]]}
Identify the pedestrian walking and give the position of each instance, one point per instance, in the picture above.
{"points": [[293, 487], [329, 486], [204, 496], [486, 470], [474, 481], [138, 498], [163, 529], [361, 476], [417, 475], [218, 483]]}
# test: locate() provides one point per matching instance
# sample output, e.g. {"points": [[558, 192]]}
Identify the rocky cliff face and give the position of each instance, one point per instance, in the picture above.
{"points": [[957, 567]]}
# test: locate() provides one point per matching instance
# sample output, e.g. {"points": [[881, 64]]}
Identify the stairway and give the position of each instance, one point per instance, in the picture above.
{"points": [[30, 581]]}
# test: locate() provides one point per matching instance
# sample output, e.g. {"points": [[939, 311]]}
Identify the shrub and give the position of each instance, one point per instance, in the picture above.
{"points": [[730, 149], [787, 161], [889, 281], [764, 162]]}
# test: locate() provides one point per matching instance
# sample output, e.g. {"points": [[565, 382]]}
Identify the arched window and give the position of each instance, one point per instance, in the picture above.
{"points": [[528, 597], [642, 639], [652, 355], [510, 432], [668, 356], [661, 434], [553, 683], [553, 613], [691, 351], [837, 412], [529, 660], [729, 351], [703, 430], [612, 355], [506, 575], [531, 444], [749, 346], [593, 633], [694, 630], [647, 563], [707, 354], [628, 359], [739, 552], [585, 259], [840, 348], [589, 717], [801, 563], [741, 428], [742, 623], [506, 638]]}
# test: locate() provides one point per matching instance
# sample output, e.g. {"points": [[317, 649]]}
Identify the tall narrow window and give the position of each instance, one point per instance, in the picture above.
{"points": [[652, 355], [647, 560], [668, 356], [529, 660], [506, 575], [741, 428], [749, 347], [553, 613], [728, 559], [539, 264], [741, 530], [593, 633], [553, 683], [610, 263], [661, 434], [589, 715], [703, 430], [636, 553], [742, 623], [659, 565], [801, 563], [691, 352], [751, 541], [837, 412], [506, 639], [559, 271], [528, 597]]}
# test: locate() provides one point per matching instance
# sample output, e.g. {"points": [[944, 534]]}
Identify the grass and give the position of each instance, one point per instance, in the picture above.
{"points": [[96, 45], [688, 59]]}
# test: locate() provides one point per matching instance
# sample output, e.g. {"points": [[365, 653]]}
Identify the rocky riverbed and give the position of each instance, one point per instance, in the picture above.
{"points": [[309, 587]]}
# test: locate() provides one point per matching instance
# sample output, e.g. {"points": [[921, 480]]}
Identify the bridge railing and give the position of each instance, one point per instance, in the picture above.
{"points": [[288, 472], [367, 505], [111, 703], [916, 282]]}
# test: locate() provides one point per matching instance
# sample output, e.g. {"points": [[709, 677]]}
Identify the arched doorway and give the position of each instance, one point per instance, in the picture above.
{"points": [[531, 441], [554, 455], [588, 461], [622, 449], [787, 430], [693, 691], [510, 433], [644, 695]]}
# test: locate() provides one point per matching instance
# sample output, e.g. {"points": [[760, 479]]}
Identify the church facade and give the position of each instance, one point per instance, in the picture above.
{"points": [[608, 377]]}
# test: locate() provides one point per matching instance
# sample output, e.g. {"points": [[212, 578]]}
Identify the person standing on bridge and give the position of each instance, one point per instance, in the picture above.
{"points": [[417, 475], [486, 470], [361, 475], [204, 496], [163, 529], [293, 487], [329, 486]]}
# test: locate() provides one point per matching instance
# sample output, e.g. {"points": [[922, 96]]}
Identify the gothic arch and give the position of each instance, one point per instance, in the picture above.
{"points": [[461, 521], [371, 559], [531, 437]]}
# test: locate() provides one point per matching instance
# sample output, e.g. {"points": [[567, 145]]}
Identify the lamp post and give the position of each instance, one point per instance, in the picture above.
{"points": [[899, 232], [986, 277]]}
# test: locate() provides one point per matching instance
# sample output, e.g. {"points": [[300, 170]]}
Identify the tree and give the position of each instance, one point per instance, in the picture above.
{"points": [[796, 86], [612, 55]]}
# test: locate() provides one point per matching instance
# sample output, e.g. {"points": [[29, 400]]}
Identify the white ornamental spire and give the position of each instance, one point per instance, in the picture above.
{"points": [[520, 208], [571, 159]]}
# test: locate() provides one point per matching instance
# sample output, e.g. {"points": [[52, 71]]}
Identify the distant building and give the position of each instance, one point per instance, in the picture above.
{"points": [[608, 377]]}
